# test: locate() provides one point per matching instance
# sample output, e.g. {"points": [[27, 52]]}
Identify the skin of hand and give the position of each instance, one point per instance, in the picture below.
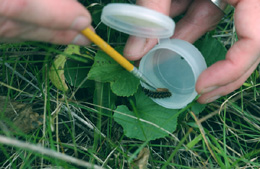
{"points": [[54, 21], [201, 16]]}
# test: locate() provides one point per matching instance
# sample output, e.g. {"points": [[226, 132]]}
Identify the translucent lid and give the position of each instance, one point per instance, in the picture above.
{"points": [[138, 21]]}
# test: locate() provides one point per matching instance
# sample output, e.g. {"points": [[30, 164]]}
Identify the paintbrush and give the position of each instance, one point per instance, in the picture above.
{"points": [[119, 58]]}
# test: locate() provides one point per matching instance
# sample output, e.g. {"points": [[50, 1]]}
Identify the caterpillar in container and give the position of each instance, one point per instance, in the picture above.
{"points": [[159, 93]]}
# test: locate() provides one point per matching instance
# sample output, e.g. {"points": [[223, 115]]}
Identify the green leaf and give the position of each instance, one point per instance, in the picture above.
{"points": [[56, 73], [105, 69], [76, 72], [198, 108], [75, 49], [212, 49], [125, 85], [147, 110]]}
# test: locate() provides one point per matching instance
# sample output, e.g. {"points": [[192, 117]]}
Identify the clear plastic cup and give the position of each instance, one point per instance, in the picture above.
{"points": [[176, 65], [173, 64]]}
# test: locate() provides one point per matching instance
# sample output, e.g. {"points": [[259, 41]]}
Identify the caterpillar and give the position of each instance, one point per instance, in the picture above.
{"points": [[159, 93]]}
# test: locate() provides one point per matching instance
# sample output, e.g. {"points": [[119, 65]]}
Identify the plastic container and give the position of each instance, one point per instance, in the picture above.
{"points": [[173, 64]]}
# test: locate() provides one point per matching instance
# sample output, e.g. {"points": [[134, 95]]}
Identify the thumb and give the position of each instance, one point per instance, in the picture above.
{"points": [[137, 47]]}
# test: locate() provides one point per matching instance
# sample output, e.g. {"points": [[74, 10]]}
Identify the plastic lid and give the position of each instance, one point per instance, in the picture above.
{"points": [[138, 21]]}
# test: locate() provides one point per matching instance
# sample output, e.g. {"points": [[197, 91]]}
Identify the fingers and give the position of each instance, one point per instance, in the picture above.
{"points": [[226, 89], [58, 21], [242, 58], [58, 14], [137, 47], [226, 76], [201, 17], [55, 36], [178, 7], [15, 31]]}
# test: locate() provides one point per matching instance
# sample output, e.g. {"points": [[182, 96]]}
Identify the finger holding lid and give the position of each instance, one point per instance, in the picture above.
{"points": [[137, 47]]}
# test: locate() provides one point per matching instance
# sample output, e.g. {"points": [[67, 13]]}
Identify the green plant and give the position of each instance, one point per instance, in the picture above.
{"points": [[104, 119], [123, 84]]}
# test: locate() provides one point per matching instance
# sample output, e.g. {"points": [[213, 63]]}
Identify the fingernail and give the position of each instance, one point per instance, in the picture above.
{"points": [[80, 40], [134, 47], [212, 99], [80, 23], [209, 89]]}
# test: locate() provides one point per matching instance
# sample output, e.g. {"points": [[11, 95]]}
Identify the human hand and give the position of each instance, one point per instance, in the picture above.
{"points": [[242, 58], [55, 21]]}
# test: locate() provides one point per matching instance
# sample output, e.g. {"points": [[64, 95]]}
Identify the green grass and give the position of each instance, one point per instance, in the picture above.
{"points": [[80, 128]]}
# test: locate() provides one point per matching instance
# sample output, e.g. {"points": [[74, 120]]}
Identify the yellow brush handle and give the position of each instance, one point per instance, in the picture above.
{"points": [[108, 49]]}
